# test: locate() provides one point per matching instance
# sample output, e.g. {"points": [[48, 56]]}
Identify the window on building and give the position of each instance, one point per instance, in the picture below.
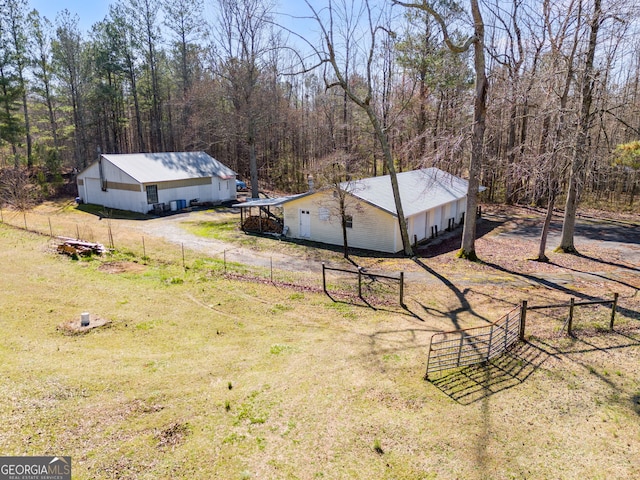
{"points": [[349, 221], [152, 194], [323, 214]]}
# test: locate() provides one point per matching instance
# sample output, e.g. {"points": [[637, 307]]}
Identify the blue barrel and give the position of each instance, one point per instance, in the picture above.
{"points": [[182, 204]]}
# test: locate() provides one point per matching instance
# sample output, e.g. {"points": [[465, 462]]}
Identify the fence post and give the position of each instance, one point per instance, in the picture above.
{"points": [[144, 250], [570, 321], [613, 310], [490, 341], [523, 319], [460, 349], [402, 290], [426, 374], [359, 282], [506, 333], [50, 228], [324, 279], [183, 264]]}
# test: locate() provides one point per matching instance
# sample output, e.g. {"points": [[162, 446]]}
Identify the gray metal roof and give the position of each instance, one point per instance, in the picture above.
{"points": [[267, 202], [420, 190], [168, 166]]}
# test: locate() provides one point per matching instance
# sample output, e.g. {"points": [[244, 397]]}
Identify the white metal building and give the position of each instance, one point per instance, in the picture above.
{"points": [[431, 199], [140, 181]]}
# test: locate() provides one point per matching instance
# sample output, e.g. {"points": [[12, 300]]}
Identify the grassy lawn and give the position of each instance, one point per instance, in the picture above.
{"points": [[201, 376]]}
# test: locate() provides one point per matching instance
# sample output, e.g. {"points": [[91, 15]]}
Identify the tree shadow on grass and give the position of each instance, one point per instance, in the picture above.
{"points": [[461, 295], [356, 301], [450, 241], [557, 286], [604, 277], [605, 262], [473, 383]]}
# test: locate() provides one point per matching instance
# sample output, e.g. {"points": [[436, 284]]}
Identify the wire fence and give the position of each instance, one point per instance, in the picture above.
{"points": [[370, 287], [350, 286], [471, 346]]}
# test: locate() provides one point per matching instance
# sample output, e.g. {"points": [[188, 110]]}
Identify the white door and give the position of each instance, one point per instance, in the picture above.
{"points": [[305, 224]]}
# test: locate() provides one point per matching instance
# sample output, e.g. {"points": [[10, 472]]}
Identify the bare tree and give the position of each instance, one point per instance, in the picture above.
{"points": [[16, 188], [330, 56], [477, 40], [242, 35], [143, 14], [564, 47], [336, 176], [578, 163]]}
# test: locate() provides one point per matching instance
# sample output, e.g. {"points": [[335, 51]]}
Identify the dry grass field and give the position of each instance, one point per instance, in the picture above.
{"points": [[205, 368]]}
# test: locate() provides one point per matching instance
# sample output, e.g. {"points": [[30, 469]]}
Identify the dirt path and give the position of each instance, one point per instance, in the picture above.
{"points": [[171, 230], [621, 238]]}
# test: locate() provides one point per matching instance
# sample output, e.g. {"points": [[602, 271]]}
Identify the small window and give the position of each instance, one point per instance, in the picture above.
{"points": [[323, 214], [348, 219], [152, 194]]}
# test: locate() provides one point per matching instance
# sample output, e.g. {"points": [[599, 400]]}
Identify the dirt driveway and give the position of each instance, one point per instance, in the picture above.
{"points": [[172, 229], [610, 249]]}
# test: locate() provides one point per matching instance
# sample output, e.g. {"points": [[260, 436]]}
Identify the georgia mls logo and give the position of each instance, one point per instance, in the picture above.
{"points": [[35, 468]]}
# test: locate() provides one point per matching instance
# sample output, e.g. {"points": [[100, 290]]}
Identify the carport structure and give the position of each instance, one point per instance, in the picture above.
{"points": [[265, 221]]}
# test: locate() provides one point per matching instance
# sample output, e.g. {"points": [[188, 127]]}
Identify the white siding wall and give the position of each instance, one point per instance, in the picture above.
{"points": [[91, 190], [450, 211], [418, 227], [372, 228], [223, 190], [219, 190], [435, 219], [462, 206], [118, 199]]}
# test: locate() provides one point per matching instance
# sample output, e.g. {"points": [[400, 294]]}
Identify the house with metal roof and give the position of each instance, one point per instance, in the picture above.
{"points": [[144, 182], [432, 200]]}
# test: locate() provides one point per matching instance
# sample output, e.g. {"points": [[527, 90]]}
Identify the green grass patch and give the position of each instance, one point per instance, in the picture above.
{"points": [[265, 382]]}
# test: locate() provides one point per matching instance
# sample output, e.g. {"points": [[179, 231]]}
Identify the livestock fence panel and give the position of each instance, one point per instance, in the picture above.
{"points": [[375, 287], [471, 346]]}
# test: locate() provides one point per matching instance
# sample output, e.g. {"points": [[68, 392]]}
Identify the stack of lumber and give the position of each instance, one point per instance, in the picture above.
{"points": [[71, 246]]}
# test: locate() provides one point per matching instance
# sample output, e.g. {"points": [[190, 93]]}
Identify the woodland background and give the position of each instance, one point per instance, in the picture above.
{"points": [[237, 78]]}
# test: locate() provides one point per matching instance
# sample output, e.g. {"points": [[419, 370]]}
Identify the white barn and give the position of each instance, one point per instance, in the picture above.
{"points": [[431, 199], [141, 182]]}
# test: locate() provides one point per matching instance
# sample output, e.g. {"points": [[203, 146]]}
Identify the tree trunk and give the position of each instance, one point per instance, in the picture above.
{"points": [[553, 187], [578, 164], [253, 161], [467, 249]]}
